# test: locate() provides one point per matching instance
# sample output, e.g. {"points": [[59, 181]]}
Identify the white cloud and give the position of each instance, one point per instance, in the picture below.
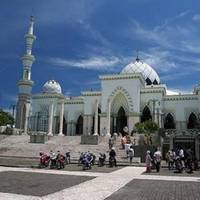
{"points": [[178, 90], [10, 97], [68, 93], [171, 92], [98, 63], [196, 17], [173, 76]]}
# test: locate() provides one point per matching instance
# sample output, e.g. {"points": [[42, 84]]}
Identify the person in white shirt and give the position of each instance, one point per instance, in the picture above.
{"points": [[157, 159], [131, 153]]}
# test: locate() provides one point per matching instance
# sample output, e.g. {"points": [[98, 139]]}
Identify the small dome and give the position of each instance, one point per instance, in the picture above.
{"points": [[147, 71], [52, 87]]}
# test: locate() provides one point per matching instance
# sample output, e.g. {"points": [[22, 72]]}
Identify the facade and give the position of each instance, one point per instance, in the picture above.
{"points": [[134, 95]]}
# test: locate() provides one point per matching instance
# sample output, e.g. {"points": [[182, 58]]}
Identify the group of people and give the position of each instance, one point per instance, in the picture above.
{"points": [[153, 160], [54, 160], [181, 159]]}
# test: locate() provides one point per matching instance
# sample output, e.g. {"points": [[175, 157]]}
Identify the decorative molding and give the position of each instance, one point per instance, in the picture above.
{"points": [[126, 94], [133, 114], [25, 82], [180, 97], [153, 89], [123, 76], [46, 96], [88, 115], [91, 93], [104, 114]]}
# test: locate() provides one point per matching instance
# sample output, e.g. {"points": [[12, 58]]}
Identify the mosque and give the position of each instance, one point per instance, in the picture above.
{"points": [[134, 95]]}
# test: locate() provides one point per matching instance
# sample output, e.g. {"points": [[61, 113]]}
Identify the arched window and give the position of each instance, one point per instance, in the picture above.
{"points": [[121, 120], [192, 121], [169, 122], [146, 114], [79, 126]]}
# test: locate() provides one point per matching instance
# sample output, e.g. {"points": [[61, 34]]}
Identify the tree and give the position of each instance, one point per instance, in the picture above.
{"points": [[5, 118], [146, 127]]}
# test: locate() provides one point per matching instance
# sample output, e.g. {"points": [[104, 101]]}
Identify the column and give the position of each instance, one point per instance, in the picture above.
{"points": [[61, 119], [115, 123], [96, 118], [108, 118], [26, 118], [50, 120]]}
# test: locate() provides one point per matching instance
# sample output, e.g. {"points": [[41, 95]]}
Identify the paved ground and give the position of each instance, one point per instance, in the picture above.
{"points": [[166, 172], [37, 184], [157, 190], [122, 183]]}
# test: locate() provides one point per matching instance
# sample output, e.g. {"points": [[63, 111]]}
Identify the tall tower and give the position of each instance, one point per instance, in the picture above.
{"points": [[25, 84]]}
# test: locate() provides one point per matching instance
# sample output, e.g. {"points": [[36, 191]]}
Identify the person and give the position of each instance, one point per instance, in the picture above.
{"points": [[81, 158], [182, 156], [110, 142], [60, 159], [112, 157], [189, 160], [157, 159], [127, 147], [102, 159], [148, 162], [170, 156], [123, 142], [131, 154], [53, 156], [67, 157]]}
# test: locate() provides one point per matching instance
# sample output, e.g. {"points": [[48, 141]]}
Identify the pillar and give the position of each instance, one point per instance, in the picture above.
{"points": [[50, 120], [26, 118], [96, 118], [132, 119], [108, 118], [61, 119], [115, 123]]}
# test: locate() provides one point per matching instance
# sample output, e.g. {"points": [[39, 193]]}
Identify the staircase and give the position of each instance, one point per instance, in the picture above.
{"points": [[19, 146]]}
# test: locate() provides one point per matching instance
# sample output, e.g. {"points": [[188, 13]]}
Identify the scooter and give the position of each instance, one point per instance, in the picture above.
{"points": [[179, 165]]}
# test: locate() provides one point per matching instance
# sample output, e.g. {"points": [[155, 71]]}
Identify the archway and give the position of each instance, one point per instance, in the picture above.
{"points": [[121, 120], [169, 122], [79, 126], [146, 114], [192, 121]]}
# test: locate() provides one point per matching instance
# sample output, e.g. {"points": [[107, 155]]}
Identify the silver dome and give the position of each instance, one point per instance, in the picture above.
{"points": [[52, 87], [147, 71]]}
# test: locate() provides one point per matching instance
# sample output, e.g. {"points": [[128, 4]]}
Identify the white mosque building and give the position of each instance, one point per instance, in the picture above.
{"points": [[134, 95]]}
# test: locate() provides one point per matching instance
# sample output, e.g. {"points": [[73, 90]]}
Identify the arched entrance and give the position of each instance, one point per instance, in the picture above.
{"points": [[146, 114], [121, 120], [79, 126], [192, 121], [169, 122]]}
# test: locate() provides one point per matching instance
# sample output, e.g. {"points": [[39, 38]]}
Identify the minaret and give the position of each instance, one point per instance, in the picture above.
{"points": [[25, 84]]}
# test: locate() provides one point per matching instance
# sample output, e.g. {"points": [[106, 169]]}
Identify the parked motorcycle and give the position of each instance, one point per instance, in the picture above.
{"points": [[44, 160]]}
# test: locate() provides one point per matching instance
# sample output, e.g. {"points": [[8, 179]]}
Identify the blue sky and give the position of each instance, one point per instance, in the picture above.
{"points": [[78, 40]]}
